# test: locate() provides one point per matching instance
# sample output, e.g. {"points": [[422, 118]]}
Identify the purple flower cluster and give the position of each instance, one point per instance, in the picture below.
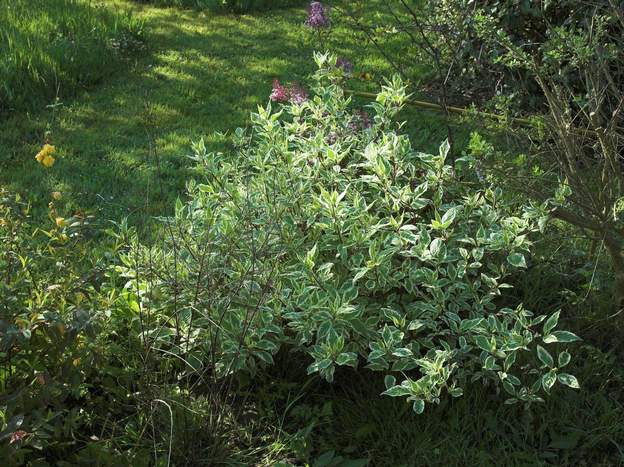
{"points": [[280, 93], [295, 93], [318, 16], [345, 65]]}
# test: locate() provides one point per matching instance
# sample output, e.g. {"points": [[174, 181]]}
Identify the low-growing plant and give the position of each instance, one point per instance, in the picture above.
{"points": [[339, 240]]}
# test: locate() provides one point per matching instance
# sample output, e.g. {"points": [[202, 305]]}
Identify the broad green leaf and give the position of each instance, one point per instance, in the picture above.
{"points": [[507, 386], [517, 260], [468, 324], [509, 361], [448, 217], [347, 358], [545, 357], [402, 352], [419, 406], [435, 246], [551, 323], [561, 336], [564, 359], [568, 380], [396, 391], [548, 380], [483, 343]]}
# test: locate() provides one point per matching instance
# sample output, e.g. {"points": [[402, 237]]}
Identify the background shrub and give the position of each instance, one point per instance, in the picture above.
{"points": [[51, 48]]}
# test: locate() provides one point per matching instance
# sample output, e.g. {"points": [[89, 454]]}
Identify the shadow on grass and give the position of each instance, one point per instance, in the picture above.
{"points": [[122, 146]]}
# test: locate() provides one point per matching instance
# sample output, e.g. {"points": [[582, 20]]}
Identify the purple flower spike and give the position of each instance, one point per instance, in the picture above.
{"points": [[344, 64], [280, 93], [318, 16]]}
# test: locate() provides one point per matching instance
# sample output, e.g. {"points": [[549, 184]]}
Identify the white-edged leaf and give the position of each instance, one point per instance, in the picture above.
{"points": [[545, 357], [568, 380], [561, 336], [564, 359], [551, 323], [548, 380], [419, 406], [517, 260]]}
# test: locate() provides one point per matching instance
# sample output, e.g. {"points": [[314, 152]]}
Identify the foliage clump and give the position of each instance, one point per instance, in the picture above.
{"points": [[344, 243]]}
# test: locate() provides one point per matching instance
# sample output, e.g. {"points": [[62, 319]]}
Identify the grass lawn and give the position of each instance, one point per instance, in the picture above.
{"points": [[122, 144]]}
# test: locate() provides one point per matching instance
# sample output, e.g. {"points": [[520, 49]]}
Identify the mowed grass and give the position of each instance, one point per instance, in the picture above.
{"points": [[122, 145]]}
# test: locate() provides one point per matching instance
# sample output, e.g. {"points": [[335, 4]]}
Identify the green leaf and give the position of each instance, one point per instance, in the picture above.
{"points": [[548, 380], [468, 324], [266, 357], [402, 352], [568, 380], [545, 357], [490, 363], [509, 361], [561, 336], [507, 386], [419, 406], [483, 343], [551, 323], [396, 391], [347, 358], [389, 381], [445, 147], [448, 217], [517, 260], [361, 272], [456, 392], [435, 246], [564, 359]]}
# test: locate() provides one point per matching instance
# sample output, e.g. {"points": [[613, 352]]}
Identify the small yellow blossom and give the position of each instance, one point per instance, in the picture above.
{"points": [[45, 155], [48, 161], [60, 222], [56, 195]]}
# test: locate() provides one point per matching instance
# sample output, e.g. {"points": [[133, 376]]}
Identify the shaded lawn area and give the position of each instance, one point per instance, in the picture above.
{"points": [[122, 144]]}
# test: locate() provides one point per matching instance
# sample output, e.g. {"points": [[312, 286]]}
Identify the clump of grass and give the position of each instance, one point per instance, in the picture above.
{"points": [[50, 48]]}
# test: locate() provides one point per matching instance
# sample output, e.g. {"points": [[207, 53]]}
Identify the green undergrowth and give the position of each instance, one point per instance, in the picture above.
{"points": [[571, 428]]}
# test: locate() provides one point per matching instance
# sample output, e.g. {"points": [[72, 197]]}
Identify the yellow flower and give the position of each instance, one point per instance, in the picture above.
{"points": [[48, 161], [56, 195], [60, 222], [45, 155]]}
